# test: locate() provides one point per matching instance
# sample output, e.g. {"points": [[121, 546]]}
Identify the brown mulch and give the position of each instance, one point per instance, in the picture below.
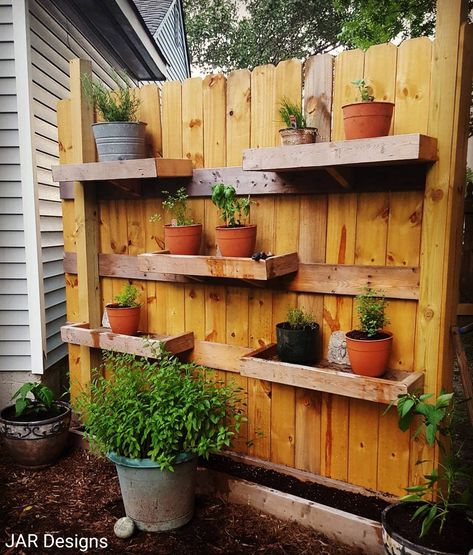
{"points": [[80, 497]]}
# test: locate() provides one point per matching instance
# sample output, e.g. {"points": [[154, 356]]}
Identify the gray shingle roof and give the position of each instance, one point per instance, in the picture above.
{"points": [[153, 12]]}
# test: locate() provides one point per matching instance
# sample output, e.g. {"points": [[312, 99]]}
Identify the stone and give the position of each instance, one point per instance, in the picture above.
{"points": [[124, 527], [337, 348]]}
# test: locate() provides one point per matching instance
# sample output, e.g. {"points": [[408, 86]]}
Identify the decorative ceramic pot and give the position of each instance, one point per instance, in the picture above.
{"points": [[363, 120], [236, 241], [124, 320], [369, 357], [183, 239]]}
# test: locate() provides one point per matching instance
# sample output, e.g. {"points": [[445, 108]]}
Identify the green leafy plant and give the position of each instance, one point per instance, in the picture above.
{"points": [[128, 297], [365, 91], [158, 409], [117, 105], [371, 305], [233, 210], [176, 205], [298, 319], [288, 109], [440, 492], [42, 400]]}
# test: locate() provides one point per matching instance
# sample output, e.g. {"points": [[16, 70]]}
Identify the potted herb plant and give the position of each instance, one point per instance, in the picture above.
{"points": [[124, 315], [152, 419], [434, 518], [35, 429], [119, 136], [182, 235], [235, 238], [368, 118], [297, 337], [369, 347], [296, 131]]}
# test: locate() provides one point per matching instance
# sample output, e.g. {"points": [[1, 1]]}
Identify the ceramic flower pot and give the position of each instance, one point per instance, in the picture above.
{"points": [[363, 120], [290, 136], [298, 346], [369, 357], [183, 239], [124, 320], [236, 241], [35, 442]]}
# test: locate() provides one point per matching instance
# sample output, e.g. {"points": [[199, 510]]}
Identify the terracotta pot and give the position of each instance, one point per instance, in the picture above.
{"points": [[236, 241], [183, 239], [367, 119], [369, 357], [290, 136], [123, 320]]}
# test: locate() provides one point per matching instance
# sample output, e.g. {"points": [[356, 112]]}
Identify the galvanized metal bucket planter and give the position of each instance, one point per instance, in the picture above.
{"points": [[35, 444], [155, 499], [120, 140]]}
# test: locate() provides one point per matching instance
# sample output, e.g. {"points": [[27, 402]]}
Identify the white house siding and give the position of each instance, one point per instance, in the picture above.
{"points": [[171, 40], [54, 42], [14, 328]]}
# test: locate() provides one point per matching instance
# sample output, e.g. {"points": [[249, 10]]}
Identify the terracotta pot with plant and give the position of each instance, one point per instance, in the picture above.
{"points": [[182, 235], [124, 315], [153, 419], [35, 429], [296, 131], [434, 518], [119, 136], [368, 118], [235, 238], [297, 338], [369, 347]]}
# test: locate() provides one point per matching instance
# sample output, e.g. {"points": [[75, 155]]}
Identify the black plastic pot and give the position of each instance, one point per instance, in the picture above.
{"points": [[297, 345]]}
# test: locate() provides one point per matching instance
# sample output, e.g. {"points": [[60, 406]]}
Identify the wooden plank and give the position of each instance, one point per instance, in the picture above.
{"points": [[146, 345], [318, 82], [172, 119], [409, 148], [339, 526], [263, 364], [465, 309], [238, 115], [223, 267], [464, 372], [123, 169], [150, 113]]}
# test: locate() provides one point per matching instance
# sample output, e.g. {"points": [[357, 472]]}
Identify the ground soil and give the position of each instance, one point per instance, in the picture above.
{"points": [[363, 335], [80, 496]]}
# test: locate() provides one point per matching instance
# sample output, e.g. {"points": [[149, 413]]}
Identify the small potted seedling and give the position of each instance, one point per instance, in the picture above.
{"points": [[434, 517], [182, 235], [368, 118], [124, 314], [35, 429], [297, 337], [119, 136], [369, 347], [235, 237], [296, 131]]}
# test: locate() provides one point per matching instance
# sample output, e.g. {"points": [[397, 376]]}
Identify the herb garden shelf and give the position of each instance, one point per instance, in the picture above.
{"points": [[329, 378], [219, 267], [147, 345]]}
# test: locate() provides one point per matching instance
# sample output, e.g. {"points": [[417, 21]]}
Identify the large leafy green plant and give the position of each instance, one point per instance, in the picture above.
{"points": [[451, 485], [233, 210], [42, 399], [158, 409]]}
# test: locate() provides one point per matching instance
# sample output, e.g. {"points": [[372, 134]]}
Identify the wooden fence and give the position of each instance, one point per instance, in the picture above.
{"points": [[211, 121]]}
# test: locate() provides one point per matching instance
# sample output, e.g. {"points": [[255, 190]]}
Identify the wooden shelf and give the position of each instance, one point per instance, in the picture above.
{"points": [[264, 364], [123, 169], [146, 345], [338, 158], [219, 267]]}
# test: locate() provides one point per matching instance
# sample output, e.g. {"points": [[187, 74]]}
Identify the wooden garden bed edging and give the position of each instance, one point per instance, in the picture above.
{"points": [[397, 282], [147, 345], [221, 267], [340, 526], [329, 378]]}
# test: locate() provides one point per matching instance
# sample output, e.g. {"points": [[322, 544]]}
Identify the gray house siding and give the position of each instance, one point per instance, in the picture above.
{"points": [[14, 328], [170, 38]]}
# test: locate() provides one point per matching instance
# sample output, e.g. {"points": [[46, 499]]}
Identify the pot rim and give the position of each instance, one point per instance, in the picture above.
{"points": [[121, 122], [227, 228], [401, 539], [147, 463], [370, 340], [63, 404], [311, 129], [369, 103], [315, 327], [113, 307], [182, 226]]}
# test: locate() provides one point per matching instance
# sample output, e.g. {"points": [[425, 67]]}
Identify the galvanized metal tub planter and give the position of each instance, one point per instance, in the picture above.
{"points": [[120, 140], [156, 499], [36, 443]]}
